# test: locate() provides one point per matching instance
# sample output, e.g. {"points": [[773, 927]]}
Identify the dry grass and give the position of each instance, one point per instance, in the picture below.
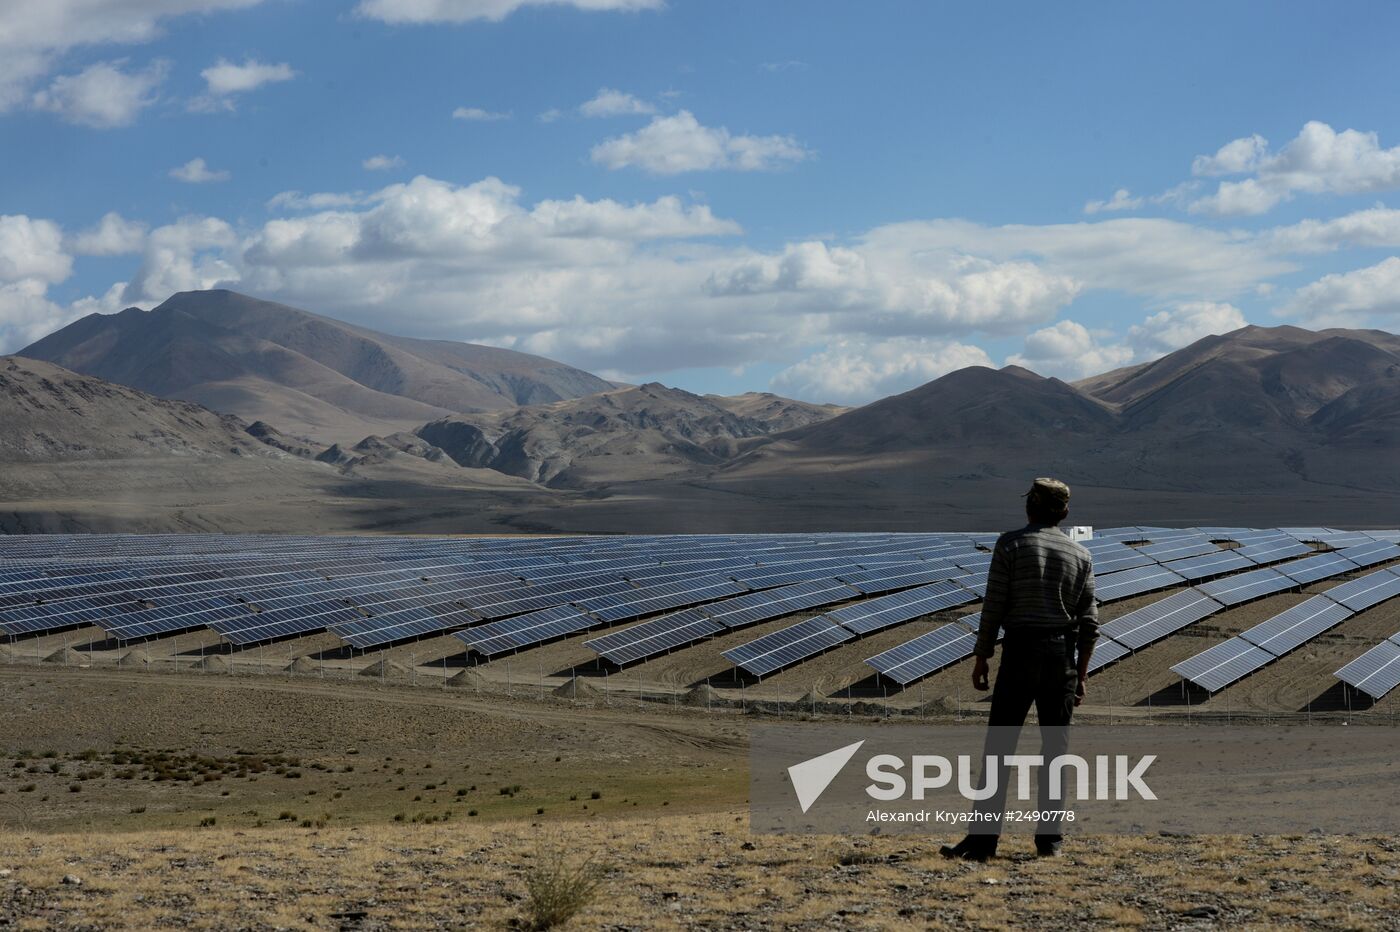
{"points": [[691, 871]]}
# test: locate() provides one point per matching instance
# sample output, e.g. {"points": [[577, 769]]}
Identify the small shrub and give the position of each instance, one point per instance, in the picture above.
{"points": [[207, 822], [556, 891], [595, 795], [137, 810]]}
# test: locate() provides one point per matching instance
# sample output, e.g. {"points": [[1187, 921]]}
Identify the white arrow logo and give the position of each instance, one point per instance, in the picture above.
{"points": [[811, 777]]}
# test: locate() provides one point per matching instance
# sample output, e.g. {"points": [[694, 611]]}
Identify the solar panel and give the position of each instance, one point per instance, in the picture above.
{"points": [[1321, 566], [1153, 622], [1122, 557], [499, 637], [781, 648], [1371, 589], [659, 598], [1223, 664], [653, 637], [1289, 629], [976, 564], [1106, 651], [1272, 550], [886, 579], [1206, 566], [1233, 590], [1132, 582], [1375, 672], [971, 622], [775, 603], [1372, 553], [1179, 549], [885, 611], [925, 654]]}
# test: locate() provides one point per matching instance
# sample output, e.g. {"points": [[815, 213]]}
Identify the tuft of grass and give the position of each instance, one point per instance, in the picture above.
{"points": [[557, 890]]}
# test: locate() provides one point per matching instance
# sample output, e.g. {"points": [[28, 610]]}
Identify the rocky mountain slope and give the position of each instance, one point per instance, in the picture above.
{"points": [[306, 374]]}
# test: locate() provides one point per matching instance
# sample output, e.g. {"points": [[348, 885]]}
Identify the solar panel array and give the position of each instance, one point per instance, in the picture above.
{"points": [[499, 595]]}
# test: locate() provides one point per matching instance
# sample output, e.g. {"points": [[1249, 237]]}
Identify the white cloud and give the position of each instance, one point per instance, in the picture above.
{"points": [[183, 256], [195, 171], [32, 249], [1375, 226], [102, 95], [462, 11], [112, 236], [855, 371], [34, 33], [673, 144], [1348, 298], [379, 163], [1069, 350], [610, 103], [1233, 158], [224, 77], [1319, 160], [550, 115], [1182, 325], [224, 80], [295, 200], [1122, 200], [476, 114]]}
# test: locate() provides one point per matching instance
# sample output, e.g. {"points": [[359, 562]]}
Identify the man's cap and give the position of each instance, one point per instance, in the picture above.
{"points": [[1049, 491]]}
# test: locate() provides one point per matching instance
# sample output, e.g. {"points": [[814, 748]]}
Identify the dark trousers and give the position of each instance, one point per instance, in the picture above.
{"points": [[1039, 670]]}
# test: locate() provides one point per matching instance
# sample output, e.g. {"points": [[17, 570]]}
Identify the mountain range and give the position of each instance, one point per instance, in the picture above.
{"points": [[1260, 426]]}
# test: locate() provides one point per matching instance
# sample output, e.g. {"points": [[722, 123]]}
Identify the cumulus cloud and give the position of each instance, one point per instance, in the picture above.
{"points": [[855, 372], [326, 200], [1182, 325], [195, 171], [610, 103], [183, 256], [1319, 160], [113, 235], [34, 33], [1348, 298], [670, 145], [1122, 200], [478, 115], [462, 11], [1375, 226], [379, 163], [32, 249], [1070, 350], [102, 95], [224, 80]]}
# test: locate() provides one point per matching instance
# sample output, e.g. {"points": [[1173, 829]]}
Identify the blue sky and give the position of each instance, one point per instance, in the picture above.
{"points": [[831, 200]]}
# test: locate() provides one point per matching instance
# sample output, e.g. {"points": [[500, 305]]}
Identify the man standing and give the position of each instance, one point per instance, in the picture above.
{"points": [[1040, 592]]}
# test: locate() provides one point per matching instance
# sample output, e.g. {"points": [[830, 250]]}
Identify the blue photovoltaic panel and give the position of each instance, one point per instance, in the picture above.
{"points": [[775, 603], [1153, 622], [499, 637], [875, 614], [1372, 553], [401, 624], [1194, 569], [976, 564], [1274, 549], [1233, 590], [1344, 539], [971, 622], [1375, 672], [1179, 549], [1223, 664], [1106, 651], [925, 654], [782, 648], [1127, 583], [1122, 558], [657, 636], [660, 598], [886, 579], [1371, 589], [1321, 566], [1298, 625]]}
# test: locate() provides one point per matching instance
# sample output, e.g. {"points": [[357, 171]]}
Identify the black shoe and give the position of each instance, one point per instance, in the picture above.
{"points": [[972, 848], [1047, 846]]}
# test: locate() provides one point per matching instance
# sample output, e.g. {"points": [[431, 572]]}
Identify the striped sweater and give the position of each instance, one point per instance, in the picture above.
{"points": [[1039, 578]]}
